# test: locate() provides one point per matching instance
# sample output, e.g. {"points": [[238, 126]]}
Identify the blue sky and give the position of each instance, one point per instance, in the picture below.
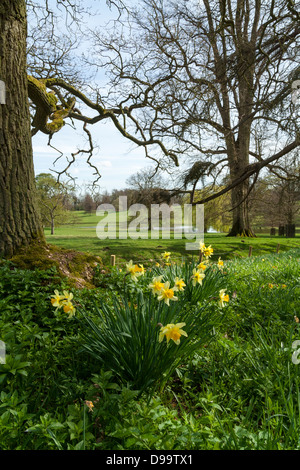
{"points": [[116, 158]]}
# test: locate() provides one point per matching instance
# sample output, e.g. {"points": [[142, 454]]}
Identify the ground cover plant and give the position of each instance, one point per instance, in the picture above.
{"points": [[179, 355]]}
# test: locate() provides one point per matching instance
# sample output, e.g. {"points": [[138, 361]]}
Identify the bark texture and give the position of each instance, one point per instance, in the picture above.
{"points": [[19, 218]]}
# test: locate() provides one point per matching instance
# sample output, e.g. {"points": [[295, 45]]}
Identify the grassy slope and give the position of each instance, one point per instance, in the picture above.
{"points": [[82, 236]]}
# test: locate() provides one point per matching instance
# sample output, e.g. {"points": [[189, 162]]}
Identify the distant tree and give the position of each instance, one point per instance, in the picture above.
{"points": [[276, 198], [217, 212], [53, 200], [88, 203], [149, 187]]}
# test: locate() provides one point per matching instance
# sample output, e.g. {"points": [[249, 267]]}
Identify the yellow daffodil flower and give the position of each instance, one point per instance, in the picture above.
{"points": [[133, 270], [156, 285], [56, 300], [69, 308], [63, 301], [197, 277], [166, 294], [166, 255], [179, 284], [223, 298], [202, 247], [172, 331], [220, 263], [139, 269], [208, 251], [68, 296], [201, 266]]}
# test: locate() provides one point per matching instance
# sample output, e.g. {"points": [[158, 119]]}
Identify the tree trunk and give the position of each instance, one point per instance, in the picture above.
{"points": [[240, 222], [19, 218]]}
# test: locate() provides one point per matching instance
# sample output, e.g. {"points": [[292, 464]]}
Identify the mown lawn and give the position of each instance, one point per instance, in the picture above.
{"points": [[101, 379], [82, 236]]}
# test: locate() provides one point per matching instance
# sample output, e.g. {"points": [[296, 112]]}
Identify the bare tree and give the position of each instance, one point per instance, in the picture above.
{"points": [[276, 200], [203, 77]]}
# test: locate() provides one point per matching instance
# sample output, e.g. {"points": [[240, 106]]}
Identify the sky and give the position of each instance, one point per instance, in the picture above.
{"points": [[115, 157]]}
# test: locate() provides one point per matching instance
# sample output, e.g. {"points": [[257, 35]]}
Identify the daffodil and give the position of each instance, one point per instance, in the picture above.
{"points": [[208, 251], [201, 266], [156, 285], [179, 284], [202, 247], [132, 270], [197, 277], [69, 308], [166, 294], [139, 269], [172, 331], [223, 297], [63, 301], [166, 255], [220, 263], [90, 405], [57, 299], [68, 296]]}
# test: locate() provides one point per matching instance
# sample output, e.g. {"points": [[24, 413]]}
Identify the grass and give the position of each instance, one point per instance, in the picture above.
{"points": [[82, 237]]}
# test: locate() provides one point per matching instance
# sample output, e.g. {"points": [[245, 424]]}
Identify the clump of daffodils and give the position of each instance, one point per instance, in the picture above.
{"points": [[63, 301], [172, 331], [135, 270], [164, 291]]}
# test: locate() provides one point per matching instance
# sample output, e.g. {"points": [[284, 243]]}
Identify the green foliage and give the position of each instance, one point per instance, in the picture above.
{"points": [[230, 385], [52, 196]]}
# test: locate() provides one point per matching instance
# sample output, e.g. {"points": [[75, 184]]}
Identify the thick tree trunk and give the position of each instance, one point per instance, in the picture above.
{"points": [[19, 218], [240, 222]]}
